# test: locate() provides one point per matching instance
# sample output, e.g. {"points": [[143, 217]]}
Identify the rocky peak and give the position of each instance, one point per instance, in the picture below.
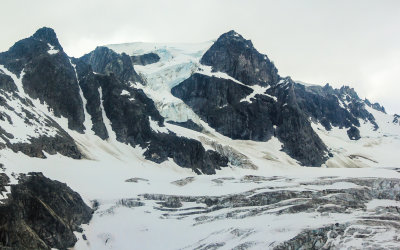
{"points": [[236, 56], [48, 74], [375, 106], [396, 119], [347, 91], [106, 61], [47, 35], [234, 37]]}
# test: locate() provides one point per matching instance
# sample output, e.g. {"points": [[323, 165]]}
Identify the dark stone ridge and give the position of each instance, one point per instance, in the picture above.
{"points": [[90, 84], [6, 83], [187, 153], [332, 107], [106, 61], [314, 239], [107, 79], [4, 180], [41, 214], [353, 133], [48, 35], [172, 202], [188, 124], [61, 143], [56, 79], [129, 118], [145, 59], [47, 77], [130, 114], [51, 78], [218, 102], [26, 49], [237, 57], [396, 119], [375, 106]]}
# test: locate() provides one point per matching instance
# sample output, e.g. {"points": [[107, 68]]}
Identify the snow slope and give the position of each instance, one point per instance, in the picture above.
{"points": [[116, 176]]}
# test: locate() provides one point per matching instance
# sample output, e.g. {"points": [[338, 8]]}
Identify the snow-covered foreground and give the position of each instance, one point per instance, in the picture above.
{"points": [[263, 200], [143, 205]]}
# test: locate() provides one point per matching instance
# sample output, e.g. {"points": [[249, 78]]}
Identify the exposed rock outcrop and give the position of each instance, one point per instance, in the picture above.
{"points": [[375, 106], [270, 105], [396, 119], [102, 80], [41, 214], [106, 61], [218, 102], [221, 103], [48, 76], [145, 59], [188, 124], [237, 57], [353, 133]]}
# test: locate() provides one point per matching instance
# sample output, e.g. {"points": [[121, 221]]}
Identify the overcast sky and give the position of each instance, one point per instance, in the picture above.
{"points": [[355, 43]]}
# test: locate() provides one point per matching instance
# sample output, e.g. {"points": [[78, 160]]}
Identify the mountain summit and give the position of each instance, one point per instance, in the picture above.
{"points": [[48, 35], [236, 56], [131, 127]]}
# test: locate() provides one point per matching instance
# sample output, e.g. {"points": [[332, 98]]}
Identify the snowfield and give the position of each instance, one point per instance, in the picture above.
{"points": [[262, 200]]}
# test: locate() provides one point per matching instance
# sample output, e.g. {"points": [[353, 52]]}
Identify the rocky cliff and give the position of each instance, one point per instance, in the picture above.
{"points": [[40, 213]]}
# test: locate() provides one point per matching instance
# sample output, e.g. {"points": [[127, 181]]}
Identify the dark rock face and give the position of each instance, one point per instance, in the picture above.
{"points": [[332, 107], [41, 214], [107, 79], [219, 102], [294, 128], [6, 83], [396, 119], [25, 50], [47, 35], [375, 106], [284, 104], [54, 78], [353, 133], [322, 104], [145, 59], [314, 239], [188, 124], [237, 57], [4, 180], [61, 143], [106, 61], [130, 114], [89, 84], [48, 77], [129, 118], [54, 82], [172, 202], [64, 145], [187, 153]]}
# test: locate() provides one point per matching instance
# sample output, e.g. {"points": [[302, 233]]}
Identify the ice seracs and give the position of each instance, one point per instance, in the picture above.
{"points": [[177, 62], [264, 198]]}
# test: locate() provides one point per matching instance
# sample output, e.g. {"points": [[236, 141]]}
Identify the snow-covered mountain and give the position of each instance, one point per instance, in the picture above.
{"points": [[200, 146]]}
